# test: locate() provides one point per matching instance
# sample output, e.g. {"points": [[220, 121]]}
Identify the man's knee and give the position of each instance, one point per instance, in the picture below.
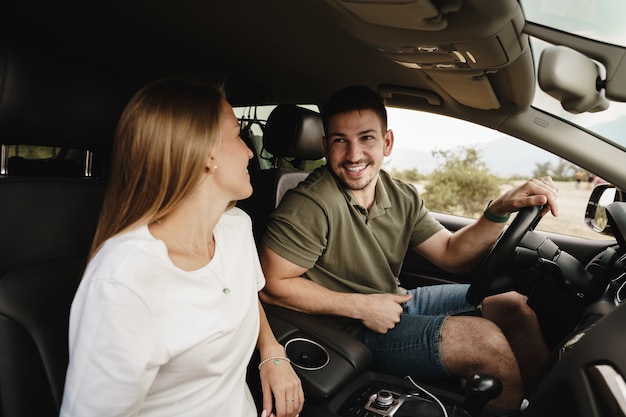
{"points": [[477, 345], [509, 310], [474, 342]]}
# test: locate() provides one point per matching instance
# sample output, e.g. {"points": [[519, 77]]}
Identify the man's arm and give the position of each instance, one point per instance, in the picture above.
{"points": [[458, 252], [286, 287]]}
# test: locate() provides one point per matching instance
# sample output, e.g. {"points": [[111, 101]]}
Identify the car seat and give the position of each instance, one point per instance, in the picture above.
{"points": [[46, 225], [46, 228], [293, 136]]}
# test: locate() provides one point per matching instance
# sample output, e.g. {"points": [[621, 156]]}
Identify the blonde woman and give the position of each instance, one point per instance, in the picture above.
{"points": [[167, 314]]}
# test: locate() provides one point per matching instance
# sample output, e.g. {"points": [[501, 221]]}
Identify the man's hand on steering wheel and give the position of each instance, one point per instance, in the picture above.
{"points": [[534, 192], [532, 199]]}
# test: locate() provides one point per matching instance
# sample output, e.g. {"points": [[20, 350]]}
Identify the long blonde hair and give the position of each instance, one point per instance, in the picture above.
{"points": [[163, 140]]}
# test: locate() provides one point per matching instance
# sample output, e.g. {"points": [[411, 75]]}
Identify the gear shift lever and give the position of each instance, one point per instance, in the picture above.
{"points": [[479, 390]]}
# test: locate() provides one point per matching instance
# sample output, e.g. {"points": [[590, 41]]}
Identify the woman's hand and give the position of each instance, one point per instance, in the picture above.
{"points": [[282, 389]]}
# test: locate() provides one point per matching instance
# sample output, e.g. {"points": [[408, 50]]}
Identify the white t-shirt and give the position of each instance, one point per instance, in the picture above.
{"points": [[149, 339]]}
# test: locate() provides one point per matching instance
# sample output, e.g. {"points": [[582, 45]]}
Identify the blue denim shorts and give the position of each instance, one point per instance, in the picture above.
{"points": [[413, 347]]}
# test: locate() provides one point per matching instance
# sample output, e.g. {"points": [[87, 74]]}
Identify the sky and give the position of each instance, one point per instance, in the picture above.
{"points": [[422, 131]]}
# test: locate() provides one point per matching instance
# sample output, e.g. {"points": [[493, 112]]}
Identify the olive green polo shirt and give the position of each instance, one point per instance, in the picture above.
{"points": [[320, 226]]}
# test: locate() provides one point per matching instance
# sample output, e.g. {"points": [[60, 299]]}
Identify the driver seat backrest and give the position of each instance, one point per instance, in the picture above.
{"points": [[293, 136], [46, 227]]}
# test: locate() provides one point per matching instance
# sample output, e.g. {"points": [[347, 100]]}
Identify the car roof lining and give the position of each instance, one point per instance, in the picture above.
{"points": [[148, 39], [286, 52]]}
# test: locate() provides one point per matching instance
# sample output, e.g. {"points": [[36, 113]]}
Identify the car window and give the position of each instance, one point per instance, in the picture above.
{"points": [[598, 19], [29, 160], [427, 143], [466, 159], [33, 152]]}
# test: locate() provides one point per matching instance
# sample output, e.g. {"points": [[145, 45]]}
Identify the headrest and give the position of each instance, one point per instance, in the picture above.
{"points": [[49, 100], [294, 132]]}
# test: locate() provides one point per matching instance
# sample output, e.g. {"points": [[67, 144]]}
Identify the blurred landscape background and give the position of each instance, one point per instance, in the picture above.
{"points": [[460, 181]]}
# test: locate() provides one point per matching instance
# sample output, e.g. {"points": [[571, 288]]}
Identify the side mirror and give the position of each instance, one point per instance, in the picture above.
{"points": [[595, 215]]}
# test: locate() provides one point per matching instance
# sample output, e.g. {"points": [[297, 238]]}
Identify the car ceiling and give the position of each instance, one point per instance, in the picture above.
{"points": [[269, 50], [274, 51], [68, 68]]}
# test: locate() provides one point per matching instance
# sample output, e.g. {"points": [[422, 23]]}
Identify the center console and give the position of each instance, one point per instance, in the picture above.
{"points": [[335, 370]]}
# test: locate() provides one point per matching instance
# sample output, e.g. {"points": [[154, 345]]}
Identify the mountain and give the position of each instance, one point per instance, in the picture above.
{"points": [[506, 157]]}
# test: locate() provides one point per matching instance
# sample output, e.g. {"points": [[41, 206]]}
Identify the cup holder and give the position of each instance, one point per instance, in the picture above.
{"points": [[306, 354]]}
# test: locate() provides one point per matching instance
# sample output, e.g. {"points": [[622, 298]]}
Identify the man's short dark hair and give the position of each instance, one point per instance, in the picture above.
{"points": [[357, 97]]}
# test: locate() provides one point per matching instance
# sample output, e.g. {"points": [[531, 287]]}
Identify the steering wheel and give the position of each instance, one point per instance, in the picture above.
{"points": [[501, 253]]}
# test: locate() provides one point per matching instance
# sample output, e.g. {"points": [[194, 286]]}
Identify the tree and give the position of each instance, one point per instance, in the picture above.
{"points": [[542, 169], [462, 184], [408, 175], [563, 171]]}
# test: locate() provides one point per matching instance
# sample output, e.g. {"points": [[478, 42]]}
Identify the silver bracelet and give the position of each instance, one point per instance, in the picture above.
{"points": [[276, 360]]}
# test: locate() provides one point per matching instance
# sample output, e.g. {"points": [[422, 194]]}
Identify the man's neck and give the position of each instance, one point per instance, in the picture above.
{"points": [[367, 196]]}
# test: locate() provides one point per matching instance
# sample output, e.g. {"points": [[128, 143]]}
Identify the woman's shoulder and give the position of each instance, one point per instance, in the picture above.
{"points": [[134, 247], [121, 242]]}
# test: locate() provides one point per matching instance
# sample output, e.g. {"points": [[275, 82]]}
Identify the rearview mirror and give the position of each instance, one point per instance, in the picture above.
{"points": [[595, 215], [573, 79]]}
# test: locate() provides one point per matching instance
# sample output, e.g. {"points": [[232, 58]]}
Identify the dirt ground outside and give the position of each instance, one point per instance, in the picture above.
{"points": [[572, 205]]}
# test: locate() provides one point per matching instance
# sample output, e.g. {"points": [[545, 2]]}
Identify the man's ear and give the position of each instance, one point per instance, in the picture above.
{"points": [[388, 146]]}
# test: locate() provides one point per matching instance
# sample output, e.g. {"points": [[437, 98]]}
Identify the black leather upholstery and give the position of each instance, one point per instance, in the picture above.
{"points": [[293, 134], [46, 228], [64, 106], [34, 311], [43, 219]]}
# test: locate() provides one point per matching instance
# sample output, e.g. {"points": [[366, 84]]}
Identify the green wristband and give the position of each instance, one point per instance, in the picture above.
{"points": [[494, 217]]}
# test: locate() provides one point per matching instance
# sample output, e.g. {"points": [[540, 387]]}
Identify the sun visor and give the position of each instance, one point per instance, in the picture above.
{"points": [[470, 88]]}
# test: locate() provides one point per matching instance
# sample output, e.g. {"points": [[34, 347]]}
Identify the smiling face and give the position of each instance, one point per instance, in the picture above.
{"points": [[355, 146], [232, 157]]}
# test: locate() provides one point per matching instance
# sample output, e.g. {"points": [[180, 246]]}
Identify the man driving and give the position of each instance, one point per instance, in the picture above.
{"points": [[335, 247]]}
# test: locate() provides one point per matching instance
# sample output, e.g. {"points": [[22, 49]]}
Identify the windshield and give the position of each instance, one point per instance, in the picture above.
{"points": [[595, 19]]}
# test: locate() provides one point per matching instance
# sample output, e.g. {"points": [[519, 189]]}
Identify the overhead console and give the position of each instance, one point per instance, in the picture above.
{"points": [[457, 43]]}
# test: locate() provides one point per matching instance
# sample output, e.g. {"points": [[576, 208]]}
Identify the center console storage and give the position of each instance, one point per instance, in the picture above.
{"points": [[335, 370], [324, 358]]}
